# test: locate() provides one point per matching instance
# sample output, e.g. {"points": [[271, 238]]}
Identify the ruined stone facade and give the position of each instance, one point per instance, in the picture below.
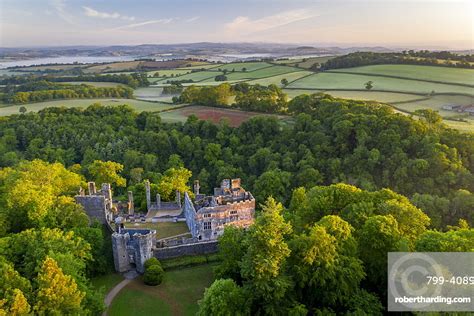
{"points": [[207, 216], [131, 248], [97, 204]]}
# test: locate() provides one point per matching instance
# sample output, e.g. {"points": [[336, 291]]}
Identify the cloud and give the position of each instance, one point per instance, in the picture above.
{"points": [[134, 25], [194, 18], [59, 6], [246, 25], [104, 15]]}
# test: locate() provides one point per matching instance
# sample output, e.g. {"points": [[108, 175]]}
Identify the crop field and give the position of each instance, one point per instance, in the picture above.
{"points": [[177, 295], [35, 107], [443, 74], [234, 117], [119, 66], [249, 66], [327, 81], [277, 79]]}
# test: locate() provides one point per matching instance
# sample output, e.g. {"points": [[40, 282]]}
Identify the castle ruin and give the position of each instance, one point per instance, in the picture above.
{"points": [[230, 204], [132, 247]]}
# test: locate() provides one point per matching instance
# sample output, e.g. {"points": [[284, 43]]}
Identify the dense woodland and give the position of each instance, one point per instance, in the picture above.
{"points": [[37, 91], [446, 59], [343, 184]]}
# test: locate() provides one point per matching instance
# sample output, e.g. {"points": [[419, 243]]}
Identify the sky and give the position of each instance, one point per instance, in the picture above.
{"points": [[431, 24]]}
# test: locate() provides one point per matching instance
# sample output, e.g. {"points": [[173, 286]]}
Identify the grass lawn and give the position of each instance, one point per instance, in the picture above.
{"points": [[334, 80], [35, 107], [177, 295], [444, 74], [107, 282], [163, 229]]}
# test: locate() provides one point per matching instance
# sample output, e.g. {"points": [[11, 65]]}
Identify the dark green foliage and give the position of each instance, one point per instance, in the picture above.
{"points": [[44, 90], [220, 78], [153, 275], [224, 298], [406, 57]]}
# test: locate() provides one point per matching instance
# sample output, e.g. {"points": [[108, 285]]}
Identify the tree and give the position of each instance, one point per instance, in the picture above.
{"points": [[33, 192], [378, 236], [224, 298], [369, 85], [267, 252], [232, 247], [57, 293], [19, 306], [22, 110], [153, 275], [107, 172], [174, 179], [220, 78], [284, 82]]}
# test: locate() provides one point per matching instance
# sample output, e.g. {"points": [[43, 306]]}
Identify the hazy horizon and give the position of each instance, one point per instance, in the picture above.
{"points": [[420, 24]]}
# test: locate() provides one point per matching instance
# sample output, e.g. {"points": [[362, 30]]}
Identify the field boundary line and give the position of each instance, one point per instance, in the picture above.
{"points": [[398, 77]]}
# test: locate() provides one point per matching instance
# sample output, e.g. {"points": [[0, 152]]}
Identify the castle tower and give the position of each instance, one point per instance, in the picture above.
{"points": [[196, 187], [148, 194], [131, 206]]}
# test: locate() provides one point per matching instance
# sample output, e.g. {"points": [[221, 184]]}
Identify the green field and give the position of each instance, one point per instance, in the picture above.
{"points": [[261, 73], [177, 295], [327, 81], [151, 94], [107, 282], [169, 72], [35, 107], [163, 229], [250, 66], [443, 74], [277, 79], [436, 103], [196, 76]]}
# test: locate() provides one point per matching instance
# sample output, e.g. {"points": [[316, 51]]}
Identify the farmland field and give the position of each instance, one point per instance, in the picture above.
{"points": [[277, 79], [196, 76], [169, 72], [235, 117], [261, 73], [35, 107], [177, 295], [444, 74], [250, 66], [308, 62], [151, 94], [328, 81]]}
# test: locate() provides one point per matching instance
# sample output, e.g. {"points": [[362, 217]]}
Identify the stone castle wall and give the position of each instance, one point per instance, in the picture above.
{"points": [[186, 250]]}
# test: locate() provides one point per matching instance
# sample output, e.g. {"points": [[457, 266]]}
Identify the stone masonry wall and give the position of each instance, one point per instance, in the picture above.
{"points": [[186, 250]]}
